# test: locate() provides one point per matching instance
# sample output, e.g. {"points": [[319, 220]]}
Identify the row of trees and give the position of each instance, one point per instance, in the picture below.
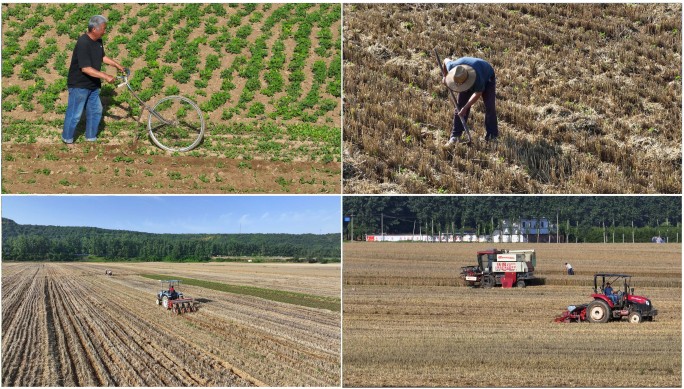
{"points": [[38, 243], [582, 219]]}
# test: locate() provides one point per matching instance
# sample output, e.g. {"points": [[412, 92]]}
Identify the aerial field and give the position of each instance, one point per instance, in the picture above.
{"points": [[428, 330], [267, 78], [588, 98], [70, 325]]}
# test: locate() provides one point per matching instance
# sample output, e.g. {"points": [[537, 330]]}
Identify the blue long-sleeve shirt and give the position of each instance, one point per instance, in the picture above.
{"points": [[483, 70]]}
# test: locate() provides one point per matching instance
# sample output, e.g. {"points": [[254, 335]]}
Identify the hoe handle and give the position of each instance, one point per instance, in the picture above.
{"points": [[451, 93]]}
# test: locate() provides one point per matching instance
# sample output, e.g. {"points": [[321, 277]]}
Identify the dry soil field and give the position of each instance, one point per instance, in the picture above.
{"points": [[428, 330], [70, 325], [588, 98], [267, 78]]}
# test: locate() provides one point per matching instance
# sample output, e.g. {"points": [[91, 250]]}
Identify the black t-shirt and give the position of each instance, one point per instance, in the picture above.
{"points": [[87, 53]]}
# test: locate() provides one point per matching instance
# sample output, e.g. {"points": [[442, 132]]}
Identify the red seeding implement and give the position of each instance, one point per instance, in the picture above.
{"points": [[172, 299], [501, 267], [611, 304]]}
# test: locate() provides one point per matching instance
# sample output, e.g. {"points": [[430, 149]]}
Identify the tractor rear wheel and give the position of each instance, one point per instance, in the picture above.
{"points": [[521, 284], [598, 312], [165, 302], [488, 281], [158, 302], [635, 317]]}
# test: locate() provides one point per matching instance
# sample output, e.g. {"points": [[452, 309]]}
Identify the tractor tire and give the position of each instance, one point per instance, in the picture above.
{"points": [[158, 302], [165, 302], [635, 317], [521, 284], [598, 312], [488, 281]]}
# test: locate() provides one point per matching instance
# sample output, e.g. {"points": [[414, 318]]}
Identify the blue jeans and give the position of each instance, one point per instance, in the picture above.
{"points": [[489, 100], [79, 99]]}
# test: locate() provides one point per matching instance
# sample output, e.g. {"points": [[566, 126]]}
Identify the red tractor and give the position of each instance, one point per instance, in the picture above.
{"points": [[611, 304]]}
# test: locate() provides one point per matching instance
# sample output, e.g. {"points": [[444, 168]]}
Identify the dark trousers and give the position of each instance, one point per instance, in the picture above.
{"points": [[489, 100], [571, 272]]}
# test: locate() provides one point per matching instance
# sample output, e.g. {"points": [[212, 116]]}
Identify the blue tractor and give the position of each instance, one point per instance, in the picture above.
{"points": [[170, 298]]}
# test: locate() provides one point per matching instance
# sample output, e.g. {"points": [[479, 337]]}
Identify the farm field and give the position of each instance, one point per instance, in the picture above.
{"points": [[588, 98], [429, 330], [70, 325], [267, 78]]}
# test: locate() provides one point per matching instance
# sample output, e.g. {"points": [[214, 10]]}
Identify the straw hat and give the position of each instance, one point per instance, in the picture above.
{"points": [[461, 78]]}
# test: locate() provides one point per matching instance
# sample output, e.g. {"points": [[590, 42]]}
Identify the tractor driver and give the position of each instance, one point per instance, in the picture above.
{"points": [[173, 293], [608, 291]]}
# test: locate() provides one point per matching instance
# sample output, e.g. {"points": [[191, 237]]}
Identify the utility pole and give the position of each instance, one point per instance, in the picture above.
{"points": [[352, 227]]}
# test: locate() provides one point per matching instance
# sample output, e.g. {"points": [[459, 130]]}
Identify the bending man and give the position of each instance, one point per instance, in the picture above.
{"points": [[472, 78]]}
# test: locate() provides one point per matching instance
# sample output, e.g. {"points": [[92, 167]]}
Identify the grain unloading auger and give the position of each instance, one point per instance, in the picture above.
{"points": [[173, 300], [608, 305]]}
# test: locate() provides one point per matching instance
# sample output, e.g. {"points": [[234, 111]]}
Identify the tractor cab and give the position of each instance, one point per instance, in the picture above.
{"points": [[169, 289], [620, 283]]}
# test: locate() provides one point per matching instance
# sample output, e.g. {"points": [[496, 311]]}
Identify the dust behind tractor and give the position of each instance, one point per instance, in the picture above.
{"points": [[621, 304], [172, 299]]}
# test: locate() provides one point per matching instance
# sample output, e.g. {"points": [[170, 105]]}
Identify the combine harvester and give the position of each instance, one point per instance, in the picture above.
{"points": [[604, 308], [501, 267], [172, 299]]}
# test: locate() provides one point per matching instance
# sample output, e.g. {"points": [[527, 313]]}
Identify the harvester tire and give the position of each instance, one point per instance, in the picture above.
{"points": [[165, 302], [488, 281], [521, 284], [598, 312], [635, 317]]}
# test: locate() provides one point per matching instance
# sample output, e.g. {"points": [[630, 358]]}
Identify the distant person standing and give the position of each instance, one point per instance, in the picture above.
{"points": [[84, 81], [472, 78], [570, 271]]}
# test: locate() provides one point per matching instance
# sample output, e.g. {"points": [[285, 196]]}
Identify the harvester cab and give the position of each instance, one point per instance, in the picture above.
{"points": [[612, 303], [501, 267], [171, 298]]}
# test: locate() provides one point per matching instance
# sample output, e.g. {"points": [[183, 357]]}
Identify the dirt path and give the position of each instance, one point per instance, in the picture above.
{"points": [[118, 169]]}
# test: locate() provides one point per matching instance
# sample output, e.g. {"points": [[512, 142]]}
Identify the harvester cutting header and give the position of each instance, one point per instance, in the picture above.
{"points": [[501, 267]]}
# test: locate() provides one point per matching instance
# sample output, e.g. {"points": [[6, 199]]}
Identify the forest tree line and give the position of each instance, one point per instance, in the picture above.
{"points": [[53, 243], [581, 219]]}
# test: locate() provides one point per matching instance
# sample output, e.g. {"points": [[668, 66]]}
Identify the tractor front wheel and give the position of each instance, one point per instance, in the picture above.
{"points": [[488, 281], [598, 312], [520, 284], [635, 317]]}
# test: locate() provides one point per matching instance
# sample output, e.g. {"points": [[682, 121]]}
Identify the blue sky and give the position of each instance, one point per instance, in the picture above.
{"points": [[181, 214]]}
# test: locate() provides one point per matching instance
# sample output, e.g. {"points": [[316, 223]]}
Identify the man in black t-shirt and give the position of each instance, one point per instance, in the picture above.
{"points": [[84, 81]]}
